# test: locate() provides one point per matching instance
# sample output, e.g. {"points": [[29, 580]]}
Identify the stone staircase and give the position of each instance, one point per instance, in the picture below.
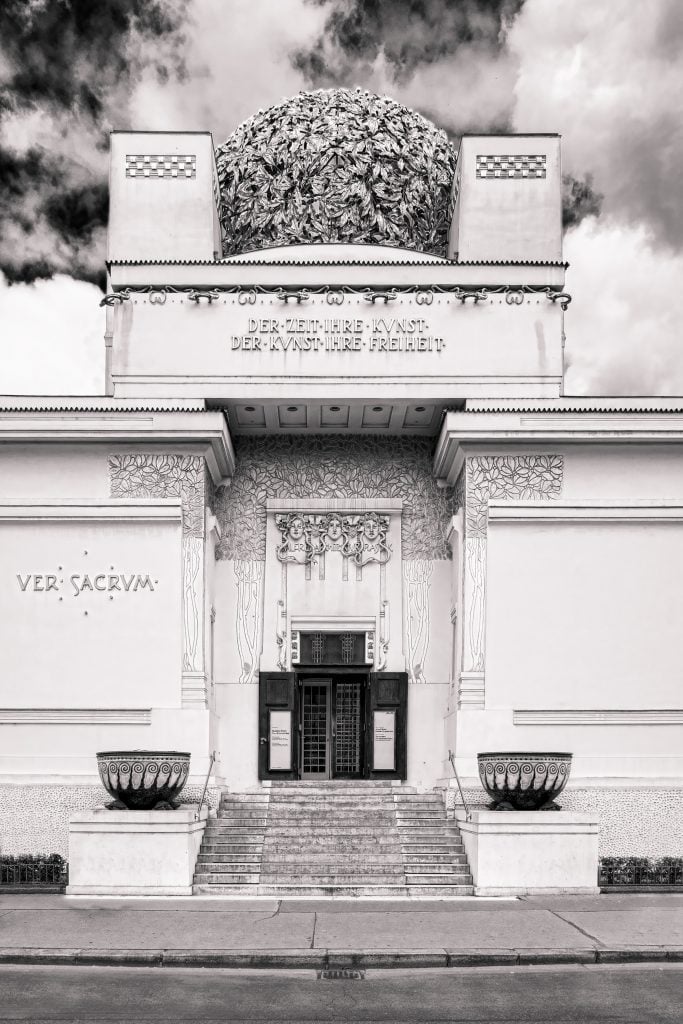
{"points": [[341, 838]]}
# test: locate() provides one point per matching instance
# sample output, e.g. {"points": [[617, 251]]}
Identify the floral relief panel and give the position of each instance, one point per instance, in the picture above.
{"points": [[334, 467]]}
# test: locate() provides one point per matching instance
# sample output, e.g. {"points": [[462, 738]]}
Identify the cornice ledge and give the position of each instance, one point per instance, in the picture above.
{"points": [[379, 504]]}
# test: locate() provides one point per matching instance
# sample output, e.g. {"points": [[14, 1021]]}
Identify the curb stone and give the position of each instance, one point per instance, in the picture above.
{"points": [[326, 959]]}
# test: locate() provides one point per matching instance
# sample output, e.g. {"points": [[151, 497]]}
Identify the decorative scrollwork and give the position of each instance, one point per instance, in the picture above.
{"points": [[195, 295], [424, 298], [116, 298], [301, 295], [564, 298], [471, 294], [334, 298], [246, 297], [372, 296]]}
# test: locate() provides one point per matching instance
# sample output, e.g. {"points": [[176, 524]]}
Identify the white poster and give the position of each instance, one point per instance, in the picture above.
{"points": [[384, 741], [280, 741]]}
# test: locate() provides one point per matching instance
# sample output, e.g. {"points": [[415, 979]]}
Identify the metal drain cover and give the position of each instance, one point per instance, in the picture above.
{"points": [[341, 974]]}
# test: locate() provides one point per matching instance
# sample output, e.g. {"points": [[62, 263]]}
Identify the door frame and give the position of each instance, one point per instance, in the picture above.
{"points": [[384, 691]]}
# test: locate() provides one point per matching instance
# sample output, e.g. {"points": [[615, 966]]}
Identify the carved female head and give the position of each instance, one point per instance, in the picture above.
{"points": [[335, 527]]}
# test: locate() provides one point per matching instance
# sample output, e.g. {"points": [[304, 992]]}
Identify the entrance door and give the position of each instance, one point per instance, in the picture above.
{"points": [[316, 729], [348, 726], [332, 726], [342, 725]]}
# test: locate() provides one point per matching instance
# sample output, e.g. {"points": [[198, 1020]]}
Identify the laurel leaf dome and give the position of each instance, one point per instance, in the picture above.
{"points": [[336, 165]]}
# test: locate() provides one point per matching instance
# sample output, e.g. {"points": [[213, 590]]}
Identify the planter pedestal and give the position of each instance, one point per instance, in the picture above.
{"points": [[134, 853], [514, 853]]}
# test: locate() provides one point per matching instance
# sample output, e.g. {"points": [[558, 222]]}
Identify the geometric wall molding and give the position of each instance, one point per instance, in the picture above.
{"points": [[591, 717], [170, 475], [75, 716], [493, 478]]}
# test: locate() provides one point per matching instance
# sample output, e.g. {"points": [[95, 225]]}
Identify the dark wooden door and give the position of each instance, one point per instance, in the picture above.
{"points": [[278, 726], [386, 725]]}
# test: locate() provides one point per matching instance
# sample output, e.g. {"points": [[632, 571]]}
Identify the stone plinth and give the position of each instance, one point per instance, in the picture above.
{"points": [[134, 853], [518, 852]]}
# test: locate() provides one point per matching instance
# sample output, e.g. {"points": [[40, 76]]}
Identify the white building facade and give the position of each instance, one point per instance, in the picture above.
{"points": [[334, 517]]}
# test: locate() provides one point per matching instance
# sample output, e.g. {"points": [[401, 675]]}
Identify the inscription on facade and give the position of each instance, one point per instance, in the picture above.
{"points": [[79, 583], [337, 334]]}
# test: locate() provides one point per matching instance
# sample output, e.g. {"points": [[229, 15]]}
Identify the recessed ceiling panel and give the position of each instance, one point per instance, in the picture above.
{"points": [[250, 415], [418, 416], [376, 415], [334, 416], [292, 415]]}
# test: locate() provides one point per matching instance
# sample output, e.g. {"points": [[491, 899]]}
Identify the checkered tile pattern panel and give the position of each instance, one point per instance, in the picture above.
{"points": [[156, 165], [511, 166]]}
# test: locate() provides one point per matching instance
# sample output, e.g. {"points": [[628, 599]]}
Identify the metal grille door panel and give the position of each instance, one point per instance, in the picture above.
{"points": [[349, 734], [315, 729]]}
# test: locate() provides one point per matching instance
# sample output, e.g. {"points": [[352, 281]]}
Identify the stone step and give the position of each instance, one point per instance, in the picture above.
{"points": [[241, 820], [248, 798], [272, 849], [338, 785], [424, 828], [326, 813], [328, 864], [393, 891], [433, 858], [435, 845], [228, 858], [420, 814], [246, 848], [237, 801], [333, 879], [306, 829], [226, 877], [431, 868], [454, 878], [327, 838], [419, 798], [211, 867]]}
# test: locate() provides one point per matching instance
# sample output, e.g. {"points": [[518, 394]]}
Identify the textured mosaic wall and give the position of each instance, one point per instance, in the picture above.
{"points": [[638, 822], [334, 467], [35, 819]]}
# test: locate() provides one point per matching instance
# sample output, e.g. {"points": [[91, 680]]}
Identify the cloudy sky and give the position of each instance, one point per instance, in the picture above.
{"points": [[606, 74]]}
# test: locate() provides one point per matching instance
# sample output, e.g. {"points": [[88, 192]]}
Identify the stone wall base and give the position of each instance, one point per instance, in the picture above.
{"points": [[34, 817], [141, 853], [513, 853], [635, 820]]}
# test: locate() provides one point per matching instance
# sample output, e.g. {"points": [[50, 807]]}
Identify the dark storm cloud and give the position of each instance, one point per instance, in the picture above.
{"points": [[408, 33], [579, 200], [66, 67]]}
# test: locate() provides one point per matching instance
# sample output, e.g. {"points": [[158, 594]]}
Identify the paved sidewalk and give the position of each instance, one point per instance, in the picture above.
{"points": [[324, 933]]}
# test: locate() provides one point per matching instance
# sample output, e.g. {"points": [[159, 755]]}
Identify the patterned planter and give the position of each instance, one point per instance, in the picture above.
{"points": [[524, 782], [142, 780]]}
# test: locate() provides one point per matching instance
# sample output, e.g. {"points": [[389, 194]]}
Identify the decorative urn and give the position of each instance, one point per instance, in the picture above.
{"points": [[143, 780], [523, 781]]}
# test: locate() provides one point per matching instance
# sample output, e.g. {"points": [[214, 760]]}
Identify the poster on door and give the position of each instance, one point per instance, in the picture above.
{"points": [[280, 741], [384, 741]]}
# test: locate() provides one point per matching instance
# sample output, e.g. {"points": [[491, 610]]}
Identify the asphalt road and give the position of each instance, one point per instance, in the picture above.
{"points": [[635, 994]]}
